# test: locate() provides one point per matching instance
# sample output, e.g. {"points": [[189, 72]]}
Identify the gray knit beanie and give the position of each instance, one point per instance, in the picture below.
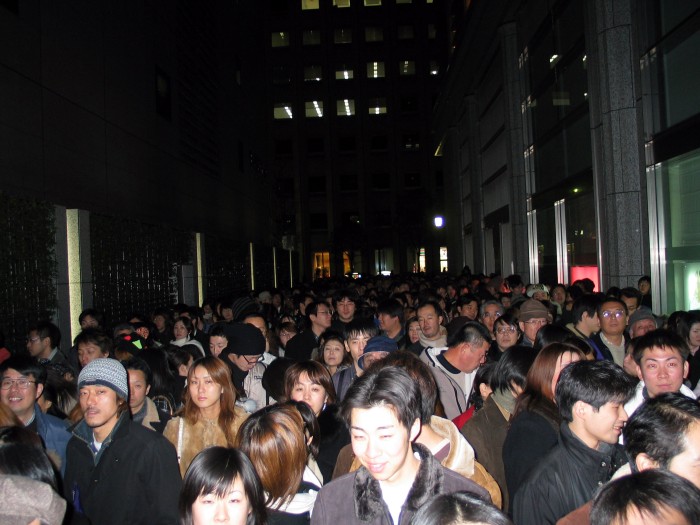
{"points": [[106, 372]]}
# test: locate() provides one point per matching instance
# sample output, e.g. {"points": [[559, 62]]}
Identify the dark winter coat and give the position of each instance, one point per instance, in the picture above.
{"points": [[335, 505], [334, 435], [133, 479], [565, 480]]}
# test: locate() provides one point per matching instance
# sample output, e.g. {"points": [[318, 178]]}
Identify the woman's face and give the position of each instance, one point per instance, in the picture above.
{"points": [[232, 508], [414, 331], [559, 295], [285, 336], [564, 360], [694, 335], [204, 391], [310, 393], [179, 330], [227, 314], [333, 353], [506, 336]]}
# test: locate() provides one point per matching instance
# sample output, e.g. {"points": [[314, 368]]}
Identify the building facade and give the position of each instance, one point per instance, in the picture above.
{"points": [[569, 135]]}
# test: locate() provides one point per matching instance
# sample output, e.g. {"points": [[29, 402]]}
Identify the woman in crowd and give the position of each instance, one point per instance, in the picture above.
{"points": [[221, 486], [210, 416], [332, 352], [285, 331], [271, 438], [413, 331], [310, 382], [183, 329], [534, 427], [506, 333]]}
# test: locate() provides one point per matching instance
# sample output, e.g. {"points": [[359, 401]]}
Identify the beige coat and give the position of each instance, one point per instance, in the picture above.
{"points": [[195, 438]]}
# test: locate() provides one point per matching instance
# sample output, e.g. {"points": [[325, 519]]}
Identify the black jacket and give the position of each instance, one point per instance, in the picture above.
{"points": [[136, 479], [565, 480], [334, 435]]}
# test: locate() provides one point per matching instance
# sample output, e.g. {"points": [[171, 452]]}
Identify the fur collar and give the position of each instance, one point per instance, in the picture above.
{"points": [[460, 458], [368, 494]]}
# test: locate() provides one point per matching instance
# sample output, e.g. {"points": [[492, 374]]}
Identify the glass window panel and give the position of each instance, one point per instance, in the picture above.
{"points": [[404, 1], [374, 34], [282, 110], [281, 75], [309, 5], [311, 37], [375, 70], [344, 73], [341, 3], [313, 73], [546, 245], [581, 236], [377, 106], [314, 108], [407, 68], [405, 32], [342, 36], [373, 3], [280, 39], [345, 107]]}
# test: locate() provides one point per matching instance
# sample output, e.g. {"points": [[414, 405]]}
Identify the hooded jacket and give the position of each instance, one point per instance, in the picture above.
{"points": [[454, 386]]}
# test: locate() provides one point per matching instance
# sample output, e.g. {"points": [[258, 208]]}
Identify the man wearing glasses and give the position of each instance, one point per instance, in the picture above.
{"points": [[318, 320], [612, 314], [23, 380], [244, 355], [533, 316]]}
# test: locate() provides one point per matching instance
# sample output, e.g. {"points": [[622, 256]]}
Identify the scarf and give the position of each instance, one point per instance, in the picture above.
{"points": [[505, 400], [439, 342]]}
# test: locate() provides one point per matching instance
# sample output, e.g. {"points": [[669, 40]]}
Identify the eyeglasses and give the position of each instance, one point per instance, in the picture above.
{"points": [[506, 330], [22, 383], [617, 314], [323, 313], [489, 314], [537, 322], [33, 339], [256, 359]]}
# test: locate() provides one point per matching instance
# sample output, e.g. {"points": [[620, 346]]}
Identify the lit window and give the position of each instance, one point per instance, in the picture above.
{"points": [[407, 68], [344, 73], [313, 73], [443, 258], [434, 67], [345, 107], [311, 37], [374, 34], [280, 39], [377, 106], [342, 36], [372, 3], [309, 4], [314, 108], [283, 110], [341, 3], [405, 32], [375, 70], [431, 31]]}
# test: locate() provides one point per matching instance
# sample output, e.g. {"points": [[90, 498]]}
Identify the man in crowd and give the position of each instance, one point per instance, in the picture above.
{"points": [[468, 309], [613, 326], [318, 320], [397, 476], [632, 298], [390, 315], [345, 306], [357, 336], [590, 396], [117, 471], [42, 343], [143, 409], [533, 316], [489, 312], [641, 322], [454, 367], [586, 323], [433, 334]]}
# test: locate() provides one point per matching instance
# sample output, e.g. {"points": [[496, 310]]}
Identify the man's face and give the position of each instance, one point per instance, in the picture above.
{"points": [[662, 370], [604, 425], [245, 362], [540, 295], [355, 344], [20, 399], [35, 344], [88, 322], [388, 323], [644, 287], [469, 310], [429, 321], [491, 313], [258, 323], [640, 328], [88, 352], [631, 303], [138, 390], [346, 310], [530, 327], [687, 463], [383, 444], [472, 356], [143, 331], [100, 407], [322, 318], [613, 319], [591, 324], [217, 343]]}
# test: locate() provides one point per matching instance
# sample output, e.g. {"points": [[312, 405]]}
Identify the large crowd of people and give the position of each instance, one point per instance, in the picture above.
{"points": [[390, 400]]}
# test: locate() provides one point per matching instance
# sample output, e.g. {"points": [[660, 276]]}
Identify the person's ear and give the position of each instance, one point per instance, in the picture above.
{"points": [[639, 371], [686, 368], [644, 462], [39, 391], [414, 430], [580, 409], [148, 389]]}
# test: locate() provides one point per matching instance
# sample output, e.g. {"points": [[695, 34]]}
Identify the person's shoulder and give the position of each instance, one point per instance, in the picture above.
{"points": [[454, 482], [339, 485]]}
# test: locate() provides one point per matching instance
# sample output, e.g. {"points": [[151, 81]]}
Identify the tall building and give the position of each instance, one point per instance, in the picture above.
{"points": [[351, 86], [570, 141]]}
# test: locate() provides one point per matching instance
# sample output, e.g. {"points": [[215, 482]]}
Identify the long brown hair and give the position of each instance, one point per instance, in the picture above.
{"points": [[538, 395], [272, 437], [221, 375]]}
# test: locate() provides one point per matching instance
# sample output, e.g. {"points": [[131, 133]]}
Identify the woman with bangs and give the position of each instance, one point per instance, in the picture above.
{"points": [[210, 416], [534, 425], [310, 382], [273, 438], [221, 486]]}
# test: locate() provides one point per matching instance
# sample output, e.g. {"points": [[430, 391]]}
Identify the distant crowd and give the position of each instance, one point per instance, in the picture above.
{"points": [[390, 400]]}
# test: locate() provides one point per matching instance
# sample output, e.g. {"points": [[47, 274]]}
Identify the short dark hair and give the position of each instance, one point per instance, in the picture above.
{"points": [[436, 306], [95, 314], [361, 325], [631, 293], [96, 337], [472, 333], [136, 363], [25, 365], [594, 383], [659, 426], [348, 293], [514, 280], [20, 455], [644, 278], [466, 299], [512, 368], [458, 507], [390, 386], [658, 339], [312, 307], [651, 493], [213, 471], [587, 303], [47, 329], [391, 307], [622, 304]]}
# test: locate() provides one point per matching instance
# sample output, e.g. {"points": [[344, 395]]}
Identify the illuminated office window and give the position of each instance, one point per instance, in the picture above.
{"points": [[309, 5], [376, 106], [345, 107], [280, 39], [314, 108], [374, 34], [283, 110], [407, 68], [344, 73], [313, 73], [342, 36], [375, 70]]}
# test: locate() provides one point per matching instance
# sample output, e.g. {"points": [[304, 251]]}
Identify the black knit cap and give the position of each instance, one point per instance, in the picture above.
{"points": [[243, 339]]}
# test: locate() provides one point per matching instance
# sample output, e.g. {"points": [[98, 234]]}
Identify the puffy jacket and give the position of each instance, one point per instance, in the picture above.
{"points": [[565, 480]]}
